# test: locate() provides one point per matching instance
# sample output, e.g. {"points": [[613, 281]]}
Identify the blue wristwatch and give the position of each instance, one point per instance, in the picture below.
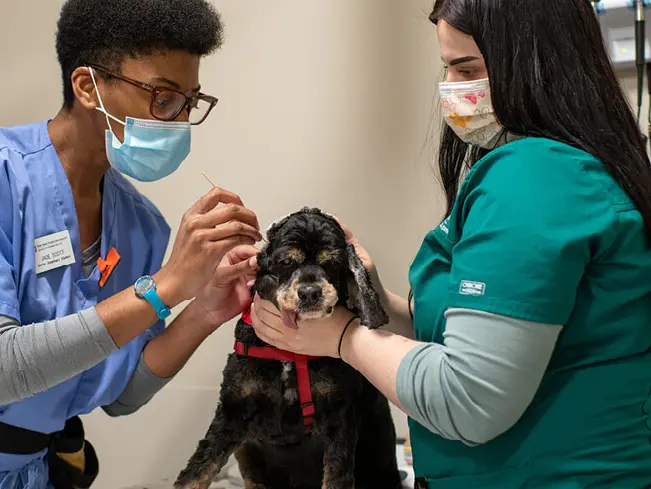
{"points": [[145, 288]]}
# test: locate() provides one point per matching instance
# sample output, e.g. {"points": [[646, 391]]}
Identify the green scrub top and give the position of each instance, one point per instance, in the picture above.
{"points": [[541, 232]]}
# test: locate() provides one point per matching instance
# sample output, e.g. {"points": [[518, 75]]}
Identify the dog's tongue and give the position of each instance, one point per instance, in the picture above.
{"points": [[289, 318]]}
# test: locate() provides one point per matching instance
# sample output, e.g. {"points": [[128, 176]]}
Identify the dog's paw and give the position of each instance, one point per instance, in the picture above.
{"points": [[186, 481]]}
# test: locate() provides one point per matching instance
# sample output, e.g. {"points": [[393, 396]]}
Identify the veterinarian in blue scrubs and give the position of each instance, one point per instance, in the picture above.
{"points": [[527, 360], [83, 297]]}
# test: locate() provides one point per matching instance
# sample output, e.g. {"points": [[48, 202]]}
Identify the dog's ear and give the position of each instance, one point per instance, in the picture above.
{"points": [[265, 284], [363, 299]]}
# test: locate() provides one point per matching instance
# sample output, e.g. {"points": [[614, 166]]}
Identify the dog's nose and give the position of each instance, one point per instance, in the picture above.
{"points": [[309, 294]]}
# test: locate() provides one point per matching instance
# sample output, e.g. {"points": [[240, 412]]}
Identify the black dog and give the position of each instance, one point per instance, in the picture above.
{"points": [[342, 437]]}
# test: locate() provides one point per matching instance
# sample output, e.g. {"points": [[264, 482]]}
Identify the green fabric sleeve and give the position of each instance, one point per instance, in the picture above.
{"points": [[530, 216]]}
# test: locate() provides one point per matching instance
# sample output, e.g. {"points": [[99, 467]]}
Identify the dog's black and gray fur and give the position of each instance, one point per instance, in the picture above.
{"points": [[307, 268]]}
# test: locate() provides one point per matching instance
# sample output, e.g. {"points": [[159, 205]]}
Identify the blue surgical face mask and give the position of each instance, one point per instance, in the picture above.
{"points": [[151, 149]]}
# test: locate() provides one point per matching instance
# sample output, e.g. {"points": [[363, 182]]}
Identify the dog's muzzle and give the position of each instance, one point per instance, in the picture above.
{"points": [[309, 295]]}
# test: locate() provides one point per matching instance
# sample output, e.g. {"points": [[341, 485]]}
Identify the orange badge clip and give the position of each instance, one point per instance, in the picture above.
{"points": [[107, 265]]}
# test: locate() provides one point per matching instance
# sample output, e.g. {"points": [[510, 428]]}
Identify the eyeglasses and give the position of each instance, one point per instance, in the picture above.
{"points": [[168, 103]]}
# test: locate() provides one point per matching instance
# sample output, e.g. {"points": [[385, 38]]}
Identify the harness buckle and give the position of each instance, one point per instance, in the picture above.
{"points": [[308, 409]]}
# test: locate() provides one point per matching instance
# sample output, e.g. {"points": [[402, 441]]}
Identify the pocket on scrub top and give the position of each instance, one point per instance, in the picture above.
{"points": [[505, 479]]}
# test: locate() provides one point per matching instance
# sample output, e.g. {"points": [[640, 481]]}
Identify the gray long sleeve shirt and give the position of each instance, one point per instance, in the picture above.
{"points": [[472, 388], [479, 383], [36, 357]]}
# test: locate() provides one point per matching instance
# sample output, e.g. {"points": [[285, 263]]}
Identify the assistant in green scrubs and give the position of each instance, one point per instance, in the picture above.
{"points": [[541, 232]]}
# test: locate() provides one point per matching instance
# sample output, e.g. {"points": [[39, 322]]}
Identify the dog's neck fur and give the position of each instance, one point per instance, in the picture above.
{"points": [[246, 334]]}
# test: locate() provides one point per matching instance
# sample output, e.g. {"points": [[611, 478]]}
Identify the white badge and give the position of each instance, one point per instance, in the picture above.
{"points": [[53, 251]]}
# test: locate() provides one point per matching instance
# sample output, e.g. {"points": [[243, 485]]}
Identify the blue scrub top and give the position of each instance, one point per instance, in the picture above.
{"points": [[36, 201]]}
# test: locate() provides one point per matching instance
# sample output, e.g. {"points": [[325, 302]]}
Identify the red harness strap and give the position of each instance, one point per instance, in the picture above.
{"points": [[300, 362]]}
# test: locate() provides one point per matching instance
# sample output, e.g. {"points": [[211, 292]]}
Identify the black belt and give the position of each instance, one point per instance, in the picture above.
{"points": [[20, 441]]}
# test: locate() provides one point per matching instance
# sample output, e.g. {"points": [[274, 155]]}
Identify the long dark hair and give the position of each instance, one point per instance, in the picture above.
{"points": [[550, 77]]}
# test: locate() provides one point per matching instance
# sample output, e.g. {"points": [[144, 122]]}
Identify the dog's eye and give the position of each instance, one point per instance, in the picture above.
{"points": [[291, 256], [326, 255]]}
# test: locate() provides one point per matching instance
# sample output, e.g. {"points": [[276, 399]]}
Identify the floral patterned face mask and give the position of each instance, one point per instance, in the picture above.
{"points": [[468, 110]]}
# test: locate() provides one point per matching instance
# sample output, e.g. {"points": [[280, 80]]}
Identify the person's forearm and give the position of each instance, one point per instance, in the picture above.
{"points": [[142, 387], [166, 354], [376, 354], [397, 307], [35, 357], [126, 316], [162, 358], [399, 319], [472, 388]]}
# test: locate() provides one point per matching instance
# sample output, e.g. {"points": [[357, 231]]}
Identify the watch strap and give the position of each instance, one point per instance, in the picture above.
{"points": [[161, 309]]}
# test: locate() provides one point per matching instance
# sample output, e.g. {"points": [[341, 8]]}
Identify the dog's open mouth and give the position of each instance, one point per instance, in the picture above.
{"points": [[290, 317]]}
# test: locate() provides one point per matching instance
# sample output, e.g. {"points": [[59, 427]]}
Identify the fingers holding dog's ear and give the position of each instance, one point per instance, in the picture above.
{"points": [[344, 227], [363, 297]]}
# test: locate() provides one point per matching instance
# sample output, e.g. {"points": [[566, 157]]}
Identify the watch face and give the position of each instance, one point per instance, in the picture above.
{"points": [[144, 284]]}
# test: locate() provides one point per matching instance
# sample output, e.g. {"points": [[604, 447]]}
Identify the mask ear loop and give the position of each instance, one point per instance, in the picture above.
{"points": [[101, 104]]}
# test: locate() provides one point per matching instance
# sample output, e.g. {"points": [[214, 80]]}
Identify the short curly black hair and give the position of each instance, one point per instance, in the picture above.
{"points": [[104, 32]]}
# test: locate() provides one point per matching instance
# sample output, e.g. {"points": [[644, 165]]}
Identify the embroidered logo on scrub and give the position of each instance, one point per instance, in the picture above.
{"points": [[444, 225], [472, 288]]}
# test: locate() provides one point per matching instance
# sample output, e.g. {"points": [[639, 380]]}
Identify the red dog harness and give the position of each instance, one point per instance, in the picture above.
{"points": [[300, 362]]}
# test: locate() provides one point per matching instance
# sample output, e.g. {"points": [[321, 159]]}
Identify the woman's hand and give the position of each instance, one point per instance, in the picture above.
{"points": [[361, 252], [229, 291], [368, 263], [207, 234], [319, 337]]}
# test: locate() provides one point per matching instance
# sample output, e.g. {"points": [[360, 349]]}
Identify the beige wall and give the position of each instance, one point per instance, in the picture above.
{"points": [[333, 94]]}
